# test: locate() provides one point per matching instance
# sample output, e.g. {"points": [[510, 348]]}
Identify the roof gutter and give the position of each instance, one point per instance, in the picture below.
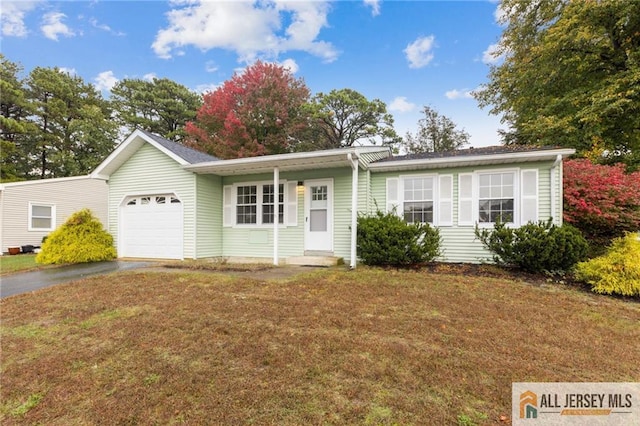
{"points": [[553, 180], [469, 160]]}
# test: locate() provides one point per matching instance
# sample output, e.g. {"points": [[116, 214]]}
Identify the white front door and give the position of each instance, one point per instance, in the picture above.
{"points": [[318, 212]]}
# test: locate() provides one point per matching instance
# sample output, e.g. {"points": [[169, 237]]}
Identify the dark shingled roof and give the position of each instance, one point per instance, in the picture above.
{"points": [[190, 155], [489, 150]]}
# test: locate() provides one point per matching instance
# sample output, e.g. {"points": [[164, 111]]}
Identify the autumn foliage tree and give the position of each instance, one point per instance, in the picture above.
{"points": [[602, 201], [256, 112]]}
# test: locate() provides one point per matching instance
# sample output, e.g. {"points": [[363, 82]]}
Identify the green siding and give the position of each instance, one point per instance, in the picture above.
{"points": [[258, 241], [150, 171], [208, 216], [458, 242]]}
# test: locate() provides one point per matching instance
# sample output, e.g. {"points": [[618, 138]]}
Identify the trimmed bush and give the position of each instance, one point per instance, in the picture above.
{"points": [[615, 272], [80, 239], [386, 239], [535, 247]]}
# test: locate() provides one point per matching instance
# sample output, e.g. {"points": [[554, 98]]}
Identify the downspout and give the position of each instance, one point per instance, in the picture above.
{"points": [[354, 207], [552, 171], [276, 212]]}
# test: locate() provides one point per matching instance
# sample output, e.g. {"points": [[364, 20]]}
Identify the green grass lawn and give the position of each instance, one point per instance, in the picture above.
{"points": [[19, 262], [328, 347]]}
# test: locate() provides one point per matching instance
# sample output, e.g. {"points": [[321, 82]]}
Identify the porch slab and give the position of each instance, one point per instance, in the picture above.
{"points": [[315, 260]]}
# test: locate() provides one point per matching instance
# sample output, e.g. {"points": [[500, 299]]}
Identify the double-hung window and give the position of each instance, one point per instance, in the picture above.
{"points": [[254, 204], [247, 204], [422, 198], [42, 217], [496, 197], [268, 203], [417, 204]]}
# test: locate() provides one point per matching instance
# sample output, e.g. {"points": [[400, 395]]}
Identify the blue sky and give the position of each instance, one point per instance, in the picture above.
{"points": [[405, 53]]}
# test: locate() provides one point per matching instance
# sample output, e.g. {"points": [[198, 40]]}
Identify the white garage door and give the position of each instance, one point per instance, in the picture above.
{"points": [[151, 227]]}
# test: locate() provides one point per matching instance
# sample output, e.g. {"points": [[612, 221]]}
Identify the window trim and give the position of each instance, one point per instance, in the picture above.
{"points": [[259, 204], [33, 204], [434, 198], [517, 198], [281, 193]]}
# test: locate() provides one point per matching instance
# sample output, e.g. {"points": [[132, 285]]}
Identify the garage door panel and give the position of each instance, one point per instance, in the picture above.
{"points": [[151, 230]]}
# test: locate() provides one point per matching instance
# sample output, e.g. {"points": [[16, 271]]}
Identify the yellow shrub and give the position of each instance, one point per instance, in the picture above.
{"points": [[80, 239], [617, 271]]}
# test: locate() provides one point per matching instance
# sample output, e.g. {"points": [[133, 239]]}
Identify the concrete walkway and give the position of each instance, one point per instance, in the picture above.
{"points": [[25, 282]]}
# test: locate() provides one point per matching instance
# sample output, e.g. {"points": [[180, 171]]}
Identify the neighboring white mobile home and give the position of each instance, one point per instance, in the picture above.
{"points": [[30, 210], [169, 201]]}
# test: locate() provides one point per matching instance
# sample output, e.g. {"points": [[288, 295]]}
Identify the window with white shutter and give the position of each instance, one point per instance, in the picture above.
{"points": [[529, 196], [445, 200], [393, 195], [292, 204], [465, 199], [227, 206]]}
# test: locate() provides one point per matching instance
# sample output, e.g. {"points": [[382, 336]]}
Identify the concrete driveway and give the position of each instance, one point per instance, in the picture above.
{"points": [[29, 281]]}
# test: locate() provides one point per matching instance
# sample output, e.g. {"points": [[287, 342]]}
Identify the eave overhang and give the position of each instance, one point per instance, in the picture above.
{"points": [[470, 160], [334, 158]]}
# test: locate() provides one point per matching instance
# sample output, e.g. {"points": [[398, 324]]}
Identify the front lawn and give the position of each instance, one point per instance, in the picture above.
{"points": [[327, 347], [18, 262]]}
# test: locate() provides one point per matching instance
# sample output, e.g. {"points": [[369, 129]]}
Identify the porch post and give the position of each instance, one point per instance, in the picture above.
{"points": [[276, 212], [354, 207]]}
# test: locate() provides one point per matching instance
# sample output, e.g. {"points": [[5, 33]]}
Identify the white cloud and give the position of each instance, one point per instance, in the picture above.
{"points": [[206, 88], [401, 104], [210, 66], [491, 55], [94, 22], [149, 76], [12, 15], [375, 6], [70, 71], [105, 81], [291, 65], [419, 53], [500, 15], [53, 26], [459, 94], [104, 27], [251, 29]]}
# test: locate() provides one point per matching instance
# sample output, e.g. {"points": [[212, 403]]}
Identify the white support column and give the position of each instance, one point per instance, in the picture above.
{"points": [[276, 212], [354, 208]]}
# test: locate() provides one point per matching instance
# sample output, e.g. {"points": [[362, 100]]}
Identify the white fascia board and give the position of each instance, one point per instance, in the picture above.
{"points": [[42, 181], [125, 150], [327, 158], [466, 160]]}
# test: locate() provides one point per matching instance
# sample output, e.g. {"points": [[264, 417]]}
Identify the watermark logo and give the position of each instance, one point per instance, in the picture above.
{"points": [[585, 404], [528, 405]]}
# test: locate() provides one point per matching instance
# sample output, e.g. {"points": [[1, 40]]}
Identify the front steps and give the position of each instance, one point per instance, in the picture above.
{"points": [[314, 260]]}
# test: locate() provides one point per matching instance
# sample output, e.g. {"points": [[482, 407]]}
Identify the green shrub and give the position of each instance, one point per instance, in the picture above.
{"points": [[615, 272], [80, 239], [535, 247], [386, 239]]}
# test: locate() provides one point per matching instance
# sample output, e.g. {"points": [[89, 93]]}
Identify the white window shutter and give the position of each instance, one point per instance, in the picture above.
{"points": [[445, 200], [529, 196], [393, 195], [465, 199], [227, 206], [291, 208]]}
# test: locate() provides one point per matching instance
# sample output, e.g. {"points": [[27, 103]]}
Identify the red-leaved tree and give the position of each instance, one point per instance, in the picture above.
{"points": [[602, 201], [256, 112]]}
